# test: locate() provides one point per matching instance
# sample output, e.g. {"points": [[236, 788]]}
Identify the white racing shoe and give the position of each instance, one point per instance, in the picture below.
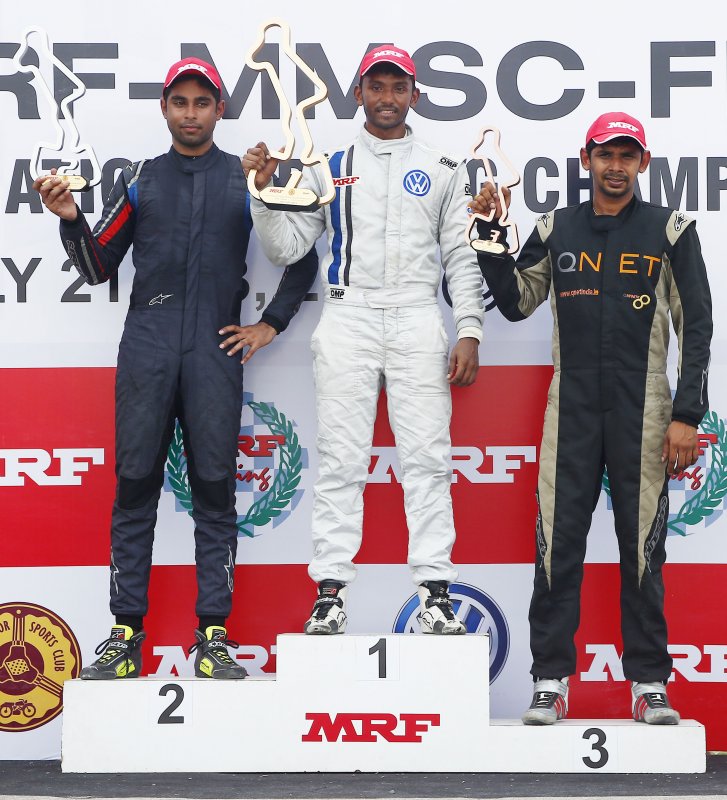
{"points": [[437, 613], [550, 702], [651, 705], [328, 615]]}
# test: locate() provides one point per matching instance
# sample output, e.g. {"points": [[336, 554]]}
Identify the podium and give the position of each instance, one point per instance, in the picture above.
{"points": [[391, 703]]}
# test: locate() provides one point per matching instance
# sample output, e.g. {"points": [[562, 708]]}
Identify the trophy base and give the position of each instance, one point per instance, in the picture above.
{"points": [[281, 198], [76, 183], [488, 246]]}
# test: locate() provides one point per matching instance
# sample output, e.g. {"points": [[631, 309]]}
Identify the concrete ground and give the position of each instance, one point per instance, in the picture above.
{"points": [[22, 780]]}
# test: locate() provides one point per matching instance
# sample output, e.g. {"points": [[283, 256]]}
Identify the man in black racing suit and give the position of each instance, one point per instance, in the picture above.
{"points": [[615, 268], [187, 215]]}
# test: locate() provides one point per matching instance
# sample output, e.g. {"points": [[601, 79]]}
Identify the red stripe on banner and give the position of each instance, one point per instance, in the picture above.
{"points": [[497, 426], [268, 600], [57, 467], [114, 227], [695, 595]]}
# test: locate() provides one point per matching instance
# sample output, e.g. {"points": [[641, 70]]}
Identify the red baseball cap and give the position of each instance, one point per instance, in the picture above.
{"points": [[615, 124], [388, 53], [196, 67]]}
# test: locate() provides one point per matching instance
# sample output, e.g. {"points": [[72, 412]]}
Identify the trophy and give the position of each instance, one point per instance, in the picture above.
{"points": [[68, 139], [493, 245], [290, 197]]}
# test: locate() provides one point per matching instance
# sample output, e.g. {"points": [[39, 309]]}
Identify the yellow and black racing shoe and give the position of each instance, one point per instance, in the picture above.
{"points": [[212, 659], [120, 656]]}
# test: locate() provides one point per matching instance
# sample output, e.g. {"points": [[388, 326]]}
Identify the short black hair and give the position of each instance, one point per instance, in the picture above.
{"points": [[202, 81], [619, 140], [387, 68]]}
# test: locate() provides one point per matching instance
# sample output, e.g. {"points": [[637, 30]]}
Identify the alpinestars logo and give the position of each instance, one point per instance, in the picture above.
{"points": [[269, 465]]}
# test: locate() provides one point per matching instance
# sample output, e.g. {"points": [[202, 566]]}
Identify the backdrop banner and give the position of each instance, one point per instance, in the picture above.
{"points": [[541, 81]]}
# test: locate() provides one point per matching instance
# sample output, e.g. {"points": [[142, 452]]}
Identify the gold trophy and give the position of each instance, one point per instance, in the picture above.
{"points": [[493, 245], [290, 197], [68, 139]]}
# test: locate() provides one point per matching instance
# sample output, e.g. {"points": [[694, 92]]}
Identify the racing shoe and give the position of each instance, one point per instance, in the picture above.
{"points": [[120, 656], [328, 615], [651, 705], [550, 702], [212, 659], [437, 613]]}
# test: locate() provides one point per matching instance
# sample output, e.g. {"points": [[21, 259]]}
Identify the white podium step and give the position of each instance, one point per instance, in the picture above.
{"points": [[345, 703]]}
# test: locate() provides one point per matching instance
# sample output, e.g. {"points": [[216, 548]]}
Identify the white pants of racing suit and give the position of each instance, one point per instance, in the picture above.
{"points": [[356, 351]]}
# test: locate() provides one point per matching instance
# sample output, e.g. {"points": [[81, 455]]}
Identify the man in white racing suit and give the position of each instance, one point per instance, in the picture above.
{"points": [[397, 201]]}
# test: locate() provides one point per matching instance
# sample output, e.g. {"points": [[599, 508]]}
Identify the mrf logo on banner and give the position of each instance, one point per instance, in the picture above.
{"points": [[269, 464], [38, 652], [62, 466], [696, 495]]}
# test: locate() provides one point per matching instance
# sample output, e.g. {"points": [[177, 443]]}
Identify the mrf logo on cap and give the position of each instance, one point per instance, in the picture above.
{"points": [[616, 124], [391, 54], [193, 67]]}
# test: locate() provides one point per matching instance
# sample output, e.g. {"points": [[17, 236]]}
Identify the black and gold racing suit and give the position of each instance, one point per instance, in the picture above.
{"points": [[613, 282]]}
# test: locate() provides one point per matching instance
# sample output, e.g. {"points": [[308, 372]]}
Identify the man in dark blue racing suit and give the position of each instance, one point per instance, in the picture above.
{"points": [[186, 214]]}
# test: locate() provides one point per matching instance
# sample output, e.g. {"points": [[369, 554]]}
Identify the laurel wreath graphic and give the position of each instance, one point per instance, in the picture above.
{"points": [[280, 493], [714, 488]]}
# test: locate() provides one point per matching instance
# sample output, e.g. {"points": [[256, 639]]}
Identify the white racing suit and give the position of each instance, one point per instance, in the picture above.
{"points": [[396, 200]]}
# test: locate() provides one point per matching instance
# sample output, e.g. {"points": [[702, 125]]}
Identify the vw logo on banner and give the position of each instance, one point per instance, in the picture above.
{"points": [[417, 182], [479, 612]]}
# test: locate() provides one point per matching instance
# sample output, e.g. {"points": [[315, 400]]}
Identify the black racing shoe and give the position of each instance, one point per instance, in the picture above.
{"points": [[550, 702], [212, 659], [437, 612], [120, 656], [651, 705], [328, 615]]}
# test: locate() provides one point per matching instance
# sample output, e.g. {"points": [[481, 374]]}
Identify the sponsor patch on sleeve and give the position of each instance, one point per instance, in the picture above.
{"points": [[448, 162]]}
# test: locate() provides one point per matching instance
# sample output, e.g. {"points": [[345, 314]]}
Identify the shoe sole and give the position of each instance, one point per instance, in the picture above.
{"points": [[222, 677], [537, 719], [318, 631], [662, 719], [101, 676], [445, 633]]}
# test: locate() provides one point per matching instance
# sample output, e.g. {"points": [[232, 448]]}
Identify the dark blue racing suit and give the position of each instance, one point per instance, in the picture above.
{"points": [[188, 220]]}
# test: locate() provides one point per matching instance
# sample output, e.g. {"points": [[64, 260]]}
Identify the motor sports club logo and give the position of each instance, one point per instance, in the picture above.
{"points": [[696, 495], [479, 612], [38, 652], [269, 465]]}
